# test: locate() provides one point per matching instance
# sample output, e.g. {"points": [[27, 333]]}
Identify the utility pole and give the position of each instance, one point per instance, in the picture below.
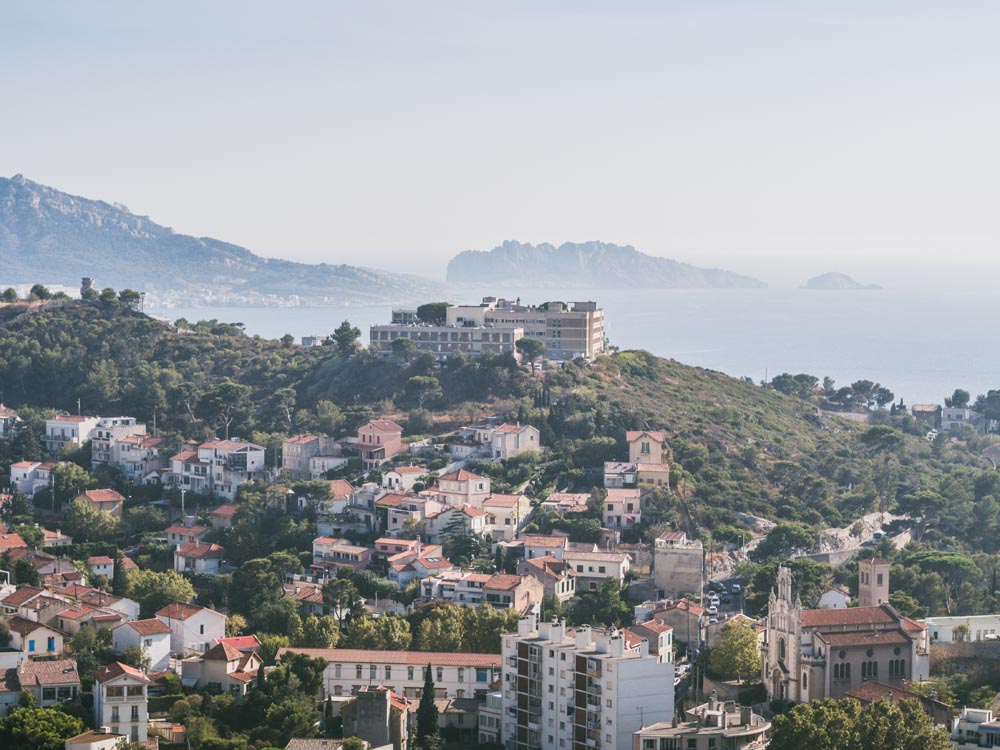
{"points": [[182, 506]]}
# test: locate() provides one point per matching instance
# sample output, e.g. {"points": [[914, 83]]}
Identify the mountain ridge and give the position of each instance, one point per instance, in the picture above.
{"points": [[593, 263], [44, 231], [834, 281]]}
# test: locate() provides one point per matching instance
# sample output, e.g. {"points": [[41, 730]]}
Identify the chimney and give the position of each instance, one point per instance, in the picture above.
{"points": [[583, 637], [746, 716]]}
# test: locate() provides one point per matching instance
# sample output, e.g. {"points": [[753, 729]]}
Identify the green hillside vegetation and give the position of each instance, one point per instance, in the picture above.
{"points": [[736, 447]]}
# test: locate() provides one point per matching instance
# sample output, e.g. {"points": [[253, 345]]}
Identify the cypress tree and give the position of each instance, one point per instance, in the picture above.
{"points": [[427, 712], [119, 579]]}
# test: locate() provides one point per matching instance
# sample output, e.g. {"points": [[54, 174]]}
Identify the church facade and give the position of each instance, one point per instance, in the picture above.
{"points": [[822, 653]]}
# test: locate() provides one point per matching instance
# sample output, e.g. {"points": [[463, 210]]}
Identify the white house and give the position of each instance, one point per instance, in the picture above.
{"points": [[463, 488], [971, 628], [192, 628], [50, 682], [34, 638], [152, 636], [623, 508], [196, 557], [121, 702], [101, 565], [68, 429], [402, 478], [592, 568], [95, 740], [510, 440], [506, 515], [455, 675], [217, 467], [223, 668], [832, 598], [540, 545]]}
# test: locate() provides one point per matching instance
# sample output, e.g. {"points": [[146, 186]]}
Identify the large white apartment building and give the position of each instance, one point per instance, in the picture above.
{"points": [[567, 330], [217, 467], [579, 690], [455, 675]]}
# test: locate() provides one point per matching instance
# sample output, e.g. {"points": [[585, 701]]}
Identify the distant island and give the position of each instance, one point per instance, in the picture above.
{"points": [[837, 282], [587, 264], [51, 236]]}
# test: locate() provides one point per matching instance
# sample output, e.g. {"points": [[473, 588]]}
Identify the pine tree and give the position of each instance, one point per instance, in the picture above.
{"points": [[427, 713]]}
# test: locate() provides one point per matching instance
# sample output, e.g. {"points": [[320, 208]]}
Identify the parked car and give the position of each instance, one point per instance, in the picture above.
{"points": [[712, 610]]}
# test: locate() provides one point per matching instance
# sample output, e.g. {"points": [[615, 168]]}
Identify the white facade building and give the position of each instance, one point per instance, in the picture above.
{"points": [[121, 702], [192, 628], [152, 636], [582, 689]]}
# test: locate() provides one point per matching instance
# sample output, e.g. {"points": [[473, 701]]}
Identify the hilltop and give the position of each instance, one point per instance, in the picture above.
{"points": [[51, 236], [591, 264], [836, 282]]}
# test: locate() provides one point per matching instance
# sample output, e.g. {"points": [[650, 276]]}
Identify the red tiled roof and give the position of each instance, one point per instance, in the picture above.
{"points": [[539, 540], [655, 626], [100, 560], [180, 611], [200, 551], [226, 509], [876, 638], [503, 500], [117, 669], [103, 496], [24, 464], [185, 456], [149, 627], [11, 541], [223, 652], [459, 476], [821, 618], [416, 658], [228, 445], [507, 428], [22, 595], [871, 691], [57, 672], [673, 536], [242, 642], [188, 530], [71, 418], [340, 488], [302, 439], [685, 605], [503, 581], [22, 626], [618, 494], [392, 500], [408, 469]]}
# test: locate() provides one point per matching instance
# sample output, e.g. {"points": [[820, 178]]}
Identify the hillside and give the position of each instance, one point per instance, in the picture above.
{"points": [[591, 264], [52, 237], [738, 447]]}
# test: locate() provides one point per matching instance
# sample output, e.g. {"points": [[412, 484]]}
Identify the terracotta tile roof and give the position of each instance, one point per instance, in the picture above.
{"points": [[822, 618], [469, 511], [508, 428], [117, 669], [148, 627], [503, 500], [654, 435], [382, 425], [180, 611], [185, 456], [223, 652], [185, 530], [103, 496], [408, 469], [227, 510], [616, 557], [652, 467], [459, 476], [22, 595], [415, 658], [302, 439], [655, 626], [128, 563], [392, 500], [685, 605], [340, 489], [539, 540], [242, 642], [313, 744], [24, 464], [23, 626], [71, 418], [503, 582], [100, 560], [11, 541], [90, 737], [876, 637], [435, 562], [871, 691], [59, 672], [200, 551], [912, 626]]}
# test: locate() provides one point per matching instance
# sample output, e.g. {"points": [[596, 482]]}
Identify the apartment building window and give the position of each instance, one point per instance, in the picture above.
{"points": [[135, 691], [373, 671], [388, 672], [357, 671], [48, 694], [461, 674], [135, 713], [114, 713], [440, 674], [409, 673], [336, 671]]}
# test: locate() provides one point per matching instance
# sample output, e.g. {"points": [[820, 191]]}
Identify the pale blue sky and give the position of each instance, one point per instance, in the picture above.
{"points": [[781, 139]]}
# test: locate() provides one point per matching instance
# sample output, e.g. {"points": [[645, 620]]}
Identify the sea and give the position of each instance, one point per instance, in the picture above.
{"points": [[919, 346]]}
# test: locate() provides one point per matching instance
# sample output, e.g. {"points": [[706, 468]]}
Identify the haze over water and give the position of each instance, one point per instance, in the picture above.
{"points": [[919, 346]]}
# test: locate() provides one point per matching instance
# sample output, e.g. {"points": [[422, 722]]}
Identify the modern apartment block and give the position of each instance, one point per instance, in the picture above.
{"points": [[567, 330], [580, 690]]}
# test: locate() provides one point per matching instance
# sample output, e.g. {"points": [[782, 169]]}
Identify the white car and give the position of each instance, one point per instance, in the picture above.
{"points": [[736, 588], [713, 610]]}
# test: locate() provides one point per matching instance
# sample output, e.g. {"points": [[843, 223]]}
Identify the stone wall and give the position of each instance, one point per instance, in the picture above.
{"points": [[979, 659]]}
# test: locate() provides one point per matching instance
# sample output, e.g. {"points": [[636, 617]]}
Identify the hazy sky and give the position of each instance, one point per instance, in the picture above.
{"points": [[781, 139]]}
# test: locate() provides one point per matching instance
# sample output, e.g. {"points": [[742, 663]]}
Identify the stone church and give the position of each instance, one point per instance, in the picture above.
{"points": [[822, 653]]}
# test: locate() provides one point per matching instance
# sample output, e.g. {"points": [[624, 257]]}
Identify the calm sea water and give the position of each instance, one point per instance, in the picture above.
{"points": [[919, 346]]}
